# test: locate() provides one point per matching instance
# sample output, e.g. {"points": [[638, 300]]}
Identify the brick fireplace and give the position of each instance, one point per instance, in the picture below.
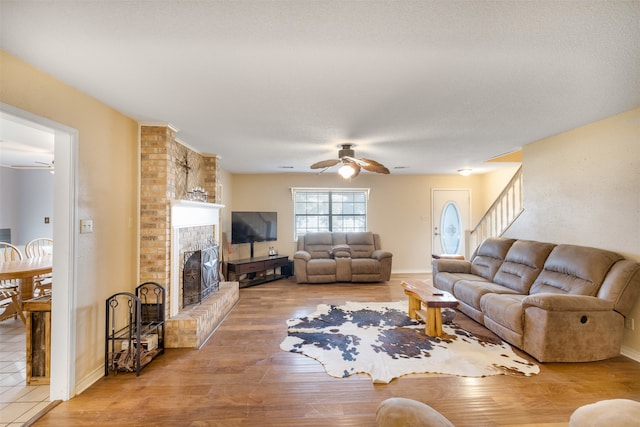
{"points": [[171, 225]]}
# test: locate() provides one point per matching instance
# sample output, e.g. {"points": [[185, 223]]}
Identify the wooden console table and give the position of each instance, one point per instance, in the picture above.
{"points": [[257, 269], [38, 340]]}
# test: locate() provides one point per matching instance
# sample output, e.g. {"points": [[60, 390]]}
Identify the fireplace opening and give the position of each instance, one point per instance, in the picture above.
{"points": [[200, 275]]}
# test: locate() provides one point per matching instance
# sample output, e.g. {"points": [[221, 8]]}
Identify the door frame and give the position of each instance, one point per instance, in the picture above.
{"points": [[465, 227], [64, 303]]}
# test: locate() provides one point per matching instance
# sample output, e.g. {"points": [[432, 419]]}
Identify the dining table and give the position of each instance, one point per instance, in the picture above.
{"points": [[26, 270]]}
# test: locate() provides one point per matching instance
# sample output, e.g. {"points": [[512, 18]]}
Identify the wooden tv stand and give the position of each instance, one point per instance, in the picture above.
{"points": [[256, 269]]}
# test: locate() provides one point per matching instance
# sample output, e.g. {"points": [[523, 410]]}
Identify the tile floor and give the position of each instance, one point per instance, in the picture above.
{"points": [[18, 402]]}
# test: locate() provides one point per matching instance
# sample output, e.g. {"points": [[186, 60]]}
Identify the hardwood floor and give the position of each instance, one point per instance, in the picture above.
{"points": [[241, 378]]}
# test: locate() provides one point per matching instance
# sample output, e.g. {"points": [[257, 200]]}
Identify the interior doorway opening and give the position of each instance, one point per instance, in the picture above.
{"points": [[62, 381]]}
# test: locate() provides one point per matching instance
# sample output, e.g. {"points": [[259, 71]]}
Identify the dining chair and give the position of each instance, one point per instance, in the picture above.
{"points": [[39, 247], [10, 305], [9, 302], [8, 252]]}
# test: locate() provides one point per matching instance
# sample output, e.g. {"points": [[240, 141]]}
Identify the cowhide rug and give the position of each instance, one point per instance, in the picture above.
{"points": [[381, 340]]}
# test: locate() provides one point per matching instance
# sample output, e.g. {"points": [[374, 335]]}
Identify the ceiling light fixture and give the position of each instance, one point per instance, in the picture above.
{"points": [[346, 171], [464, 172]]}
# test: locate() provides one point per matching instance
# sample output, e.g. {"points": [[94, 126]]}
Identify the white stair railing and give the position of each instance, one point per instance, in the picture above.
{"points": [[502, 213]]}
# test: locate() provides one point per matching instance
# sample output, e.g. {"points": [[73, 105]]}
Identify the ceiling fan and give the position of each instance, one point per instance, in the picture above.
{"points": [[350, 165], [40, 165]]}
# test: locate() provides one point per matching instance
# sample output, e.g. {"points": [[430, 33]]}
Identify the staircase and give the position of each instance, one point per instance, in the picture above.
{"points": [[502, 213]]}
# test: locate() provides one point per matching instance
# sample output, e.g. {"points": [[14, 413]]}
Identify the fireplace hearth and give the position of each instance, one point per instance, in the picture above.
{"points": [[200, 275]]}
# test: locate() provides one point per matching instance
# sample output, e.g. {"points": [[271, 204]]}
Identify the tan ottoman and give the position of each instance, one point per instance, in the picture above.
{"points": [[401, 412], [615, 412]]}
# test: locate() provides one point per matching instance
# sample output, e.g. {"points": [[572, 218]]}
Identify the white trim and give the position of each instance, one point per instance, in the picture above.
{"points": [[138, 202], [367, 191], [630, 353], [187, 213], [64, 305], [63, 319], [90, 379], [159, 124]]}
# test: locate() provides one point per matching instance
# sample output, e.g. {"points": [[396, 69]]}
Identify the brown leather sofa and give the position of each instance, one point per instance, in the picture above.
{"points": [[559, 303], [327, 257]]}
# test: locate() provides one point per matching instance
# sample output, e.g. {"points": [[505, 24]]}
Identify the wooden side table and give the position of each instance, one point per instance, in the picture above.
{"points": [[38, 339]]}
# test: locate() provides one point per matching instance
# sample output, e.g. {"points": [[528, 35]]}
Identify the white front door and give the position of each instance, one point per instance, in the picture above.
{"points": [[450, 213]]}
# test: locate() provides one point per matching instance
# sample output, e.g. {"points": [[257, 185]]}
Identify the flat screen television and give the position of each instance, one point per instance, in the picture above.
{"points": [[250, 227]]}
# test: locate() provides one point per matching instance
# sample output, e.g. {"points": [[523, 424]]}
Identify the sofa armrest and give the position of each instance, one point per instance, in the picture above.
{"points": [[342, 254], [380, 254], [563, 302], [302, 255], [451, 266]]}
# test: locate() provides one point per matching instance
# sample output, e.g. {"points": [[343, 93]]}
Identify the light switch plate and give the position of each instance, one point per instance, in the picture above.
{"points": [[86, 226]]}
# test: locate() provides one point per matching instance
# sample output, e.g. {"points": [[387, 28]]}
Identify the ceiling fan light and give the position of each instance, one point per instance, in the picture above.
{"points": [[346, 171]]}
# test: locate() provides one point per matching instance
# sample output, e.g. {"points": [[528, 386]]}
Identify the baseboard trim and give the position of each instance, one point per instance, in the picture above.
{"points": [[410, 271], [630, 353], [89, 380]]}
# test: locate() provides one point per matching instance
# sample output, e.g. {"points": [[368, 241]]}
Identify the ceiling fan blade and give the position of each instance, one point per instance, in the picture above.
{"points": [[29, 167], [373, 166], [357, 169], [325, 164]]}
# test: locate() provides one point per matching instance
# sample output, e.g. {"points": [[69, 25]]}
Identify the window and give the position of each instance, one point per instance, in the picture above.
{"points": [[324, 209]]}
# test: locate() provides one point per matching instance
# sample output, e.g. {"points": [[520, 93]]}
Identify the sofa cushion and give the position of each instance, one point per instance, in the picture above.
{"points": [[361, 243], [318, 244], [504, 309], [446, 281], [523, 263], [575, 270], [489, 256], [365, 266], [471, 291], [321, 267]]}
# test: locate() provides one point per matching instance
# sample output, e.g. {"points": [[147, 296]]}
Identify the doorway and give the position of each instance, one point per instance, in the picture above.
{"points": [[450, 220], [62, 382]]}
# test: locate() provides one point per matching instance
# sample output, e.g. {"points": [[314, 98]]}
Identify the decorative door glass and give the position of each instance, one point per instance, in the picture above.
{"points": [[450, 228]]}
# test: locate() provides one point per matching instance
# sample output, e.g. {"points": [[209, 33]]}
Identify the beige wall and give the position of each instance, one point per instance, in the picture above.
{"points": [[399, 208], [583, 187], [224, 181], [107, 178], [580, 187], [493, 184]]}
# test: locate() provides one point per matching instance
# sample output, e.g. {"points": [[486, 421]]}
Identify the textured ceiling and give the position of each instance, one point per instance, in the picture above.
{"points": [[421, 86]]}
